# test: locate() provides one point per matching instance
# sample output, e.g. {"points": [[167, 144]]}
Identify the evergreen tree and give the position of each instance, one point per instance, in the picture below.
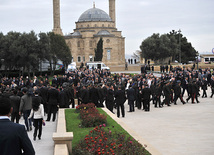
{"points": [[99, 51]]}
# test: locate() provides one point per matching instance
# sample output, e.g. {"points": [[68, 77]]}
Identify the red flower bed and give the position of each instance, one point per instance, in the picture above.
{"points": [[103, 141], [90, 116]]}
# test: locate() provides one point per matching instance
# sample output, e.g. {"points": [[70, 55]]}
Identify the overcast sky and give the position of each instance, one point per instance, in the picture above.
{"points": [[137, 19]]}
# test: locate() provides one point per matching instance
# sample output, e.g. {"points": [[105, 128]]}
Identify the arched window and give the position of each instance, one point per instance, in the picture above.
{"points": [[79, 58]]}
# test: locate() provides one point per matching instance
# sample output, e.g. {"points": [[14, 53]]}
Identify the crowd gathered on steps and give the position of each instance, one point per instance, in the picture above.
{"points": [[104, 90]]}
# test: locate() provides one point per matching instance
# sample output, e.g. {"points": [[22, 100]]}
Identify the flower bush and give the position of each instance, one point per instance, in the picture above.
{"points": [[102, 141], [90, 116]]}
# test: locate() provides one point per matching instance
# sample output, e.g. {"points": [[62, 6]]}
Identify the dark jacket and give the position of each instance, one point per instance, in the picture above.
{"points": [[14, 139], [131, 94], [110, 95], [85, 96], [15, 102], [120, 97], [53, 96], [146, 93], [177, 90]]}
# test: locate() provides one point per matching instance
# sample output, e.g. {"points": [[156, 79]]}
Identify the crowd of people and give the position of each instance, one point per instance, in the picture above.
{"points": [[46, 95]]}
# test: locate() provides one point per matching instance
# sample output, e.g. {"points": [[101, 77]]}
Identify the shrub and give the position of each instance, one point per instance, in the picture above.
{"points": [[102, 141], [90, 116]]}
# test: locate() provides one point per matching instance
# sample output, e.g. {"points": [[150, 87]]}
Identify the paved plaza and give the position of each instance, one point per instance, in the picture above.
{"points": [[176, 130]]}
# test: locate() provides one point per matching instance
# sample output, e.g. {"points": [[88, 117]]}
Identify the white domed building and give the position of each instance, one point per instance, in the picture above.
{"points": [[92, 25]]}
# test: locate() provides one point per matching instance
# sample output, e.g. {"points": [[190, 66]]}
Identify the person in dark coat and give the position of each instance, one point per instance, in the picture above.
{"points": [[177, 91], [15, 101], [53, 102], [43, 92], [194, 91], [185, 85], [62, 98], [120, 99], [167, 92], [146, 96], [158, 93], [84, 95], [94, 95], [55, 81], [138, 99], [101, 95], [204, 87], [212, 86], [131, 98], [78, 93], [70, 96], [110, 98], [189, 91]]}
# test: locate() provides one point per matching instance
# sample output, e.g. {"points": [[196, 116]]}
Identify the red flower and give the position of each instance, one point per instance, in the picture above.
{"points": [[120, 145]]}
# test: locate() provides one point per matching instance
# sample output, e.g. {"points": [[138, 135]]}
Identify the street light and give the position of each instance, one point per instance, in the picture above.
{"points": [[197, 54], [179, 31]]}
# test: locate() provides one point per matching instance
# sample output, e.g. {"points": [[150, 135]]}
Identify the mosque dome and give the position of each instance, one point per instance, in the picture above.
{"points": [[94, 14]]}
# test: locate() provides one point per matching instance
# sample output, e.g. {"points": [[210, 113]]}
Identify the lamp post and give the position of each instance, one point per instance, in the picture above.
{"points": [[179, 31], [197, 54]]}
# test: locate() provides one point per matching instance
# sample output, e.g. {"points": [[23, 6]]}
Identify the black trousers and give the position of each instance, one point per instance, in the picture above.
{"points": [[38, 126], [176, 98], [131, 105], [15, 116], [122, 110], [147, 104], [158, 101], [52, 109], [204, 93]]}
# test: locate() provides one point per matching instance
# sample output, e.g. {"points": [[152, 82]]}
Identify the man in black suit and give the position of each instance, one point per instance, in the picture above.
{"points": [[146, 95], [53, 102], [15, 101], [84, 95], [14, 139], [120, 100], [131, 98]]}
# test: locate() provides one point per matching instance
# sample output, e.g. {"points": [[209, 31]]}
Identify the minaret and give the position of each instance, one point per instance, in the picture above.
{"points": [[112, 11], [56, 17]]}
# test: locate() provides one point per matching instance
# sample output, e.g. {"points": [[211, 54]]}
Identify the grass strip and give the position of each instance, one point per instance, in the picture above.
{"points": [[73, 122]]}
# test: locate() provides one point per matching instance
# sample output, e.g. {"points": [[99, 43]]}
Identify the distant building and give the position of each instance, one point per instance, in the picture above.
{"points": [[207, 58], [92, 25]]}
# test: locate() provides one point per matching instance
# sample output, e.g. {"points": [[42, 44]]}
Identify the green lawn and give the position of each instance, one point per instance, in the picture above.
{"points": [[73, 121]]}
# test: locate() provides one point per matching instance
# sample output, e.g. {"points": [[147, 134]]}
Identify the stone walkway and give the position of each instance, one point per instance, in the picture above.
{"points": [[177, 130], [45, 146]]}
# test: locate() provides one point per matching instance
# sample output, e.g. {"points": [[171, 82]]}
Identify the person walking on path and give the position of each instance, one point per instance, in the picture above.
{"points": [[38, 115], [15, 101], [53, 102], [178, 94], [25, 108]]}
